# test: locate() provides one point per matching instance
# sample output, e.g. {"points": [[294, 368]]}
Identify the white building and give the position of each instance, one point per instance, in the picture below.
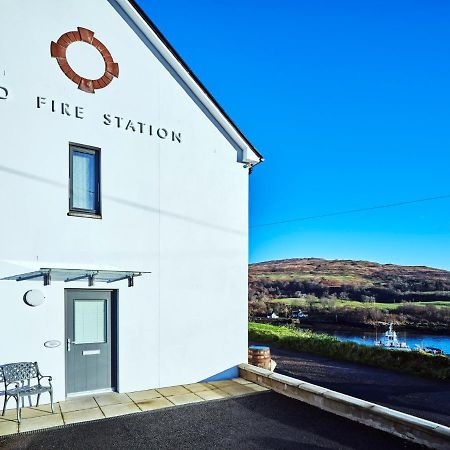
{"points": [[137, 178]]}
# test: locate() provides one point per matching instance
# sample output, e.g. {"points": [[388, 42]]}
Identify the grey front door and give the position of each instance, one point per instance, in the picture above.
{"points": [[88, 340]]}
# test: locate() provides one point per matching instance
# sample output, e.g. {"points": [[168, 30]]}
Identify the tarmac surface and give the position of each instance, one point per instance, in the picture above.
{"points": [[413, 395], [264, 420]]}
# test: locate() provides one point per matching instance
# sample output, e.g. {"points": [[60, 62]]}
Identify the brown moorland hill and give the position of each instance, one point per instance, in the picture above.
{"points": [[346, 270], [348, 278]]}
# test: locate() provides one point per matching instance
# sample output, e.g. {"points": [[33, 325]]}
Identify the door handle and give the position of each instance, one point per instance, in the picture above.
{"points": [[69, 343]]}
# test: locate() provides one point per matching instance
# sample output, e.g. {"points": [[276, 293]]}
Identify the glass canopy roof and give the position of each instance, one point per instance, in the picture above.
{"points": [[69, 275]]}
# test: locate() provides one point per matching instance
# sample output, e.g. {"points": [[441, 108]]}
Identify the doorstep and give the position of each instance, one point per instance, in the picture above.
{"points": [[94, 407]]}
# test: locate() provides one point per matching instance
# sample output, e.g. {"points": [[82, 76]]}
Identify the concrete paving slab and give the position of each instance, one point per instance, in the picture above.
{"points": [[8, 427], [156, 403], [78, 404], [29, 413], [140, 396], [213, 394], [198, 387], [221, 383], [184, 399], [112, 398], [119, 409], [84, 415], [256, 387], [40, 423], [237, 389], [173, 390]]}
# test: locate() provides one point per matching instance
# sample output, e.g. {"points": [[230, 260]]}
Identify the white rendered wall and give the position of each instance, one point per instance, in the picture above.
{"points": [[178, 210]]}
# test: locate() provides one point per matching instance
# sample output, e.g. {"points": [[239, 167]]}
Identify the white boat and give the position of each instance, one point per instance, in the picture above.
{"points": [[391, 342], [435, 351]]}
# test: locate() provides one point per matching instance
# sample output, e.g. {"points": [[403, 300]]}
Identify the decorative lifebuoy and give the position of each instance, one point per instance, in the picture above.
{"points": [[3, 93], [58, 50]]}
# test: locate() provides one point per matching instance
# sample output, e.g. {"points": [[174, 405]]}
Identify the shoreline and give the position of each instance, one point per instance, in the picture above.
{"points": [[309, 324], [372, 327], [323, 344]]}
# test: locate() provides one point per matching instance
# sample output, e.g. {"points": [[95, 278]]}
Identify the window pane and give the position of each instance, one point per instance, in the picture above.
{"points": [[84, 181], [90, 325]]}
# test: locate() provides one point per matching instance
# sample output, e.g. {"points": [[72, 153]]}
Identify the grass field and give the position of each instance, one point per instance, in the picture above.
{"points": [[437, 304], [303, 303], [340, 279]]}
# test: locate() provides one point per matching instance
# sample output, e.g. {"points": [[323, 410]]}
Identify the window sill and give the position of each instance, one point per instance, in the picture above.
{"points": [[85, 215]]}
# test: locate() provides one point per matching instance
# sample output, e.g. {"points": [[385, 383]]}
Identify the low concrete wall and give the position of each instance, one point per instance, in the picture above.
{"points": [[421, 431]]}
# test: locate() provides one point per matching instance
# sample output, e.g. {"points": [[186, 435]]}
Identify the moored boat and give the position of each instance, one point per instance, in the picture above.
{"points": [[390, 341], [430, 350]]}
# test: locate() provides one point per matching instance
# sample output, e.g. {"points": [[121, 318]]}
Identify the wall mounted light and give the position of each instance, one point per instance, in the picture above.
{"points": [[34, 297]]}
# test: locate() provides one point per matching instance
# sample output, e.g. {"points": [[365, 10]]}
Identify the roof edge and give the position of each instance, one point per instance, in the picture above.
{"points": [[213, 107]]}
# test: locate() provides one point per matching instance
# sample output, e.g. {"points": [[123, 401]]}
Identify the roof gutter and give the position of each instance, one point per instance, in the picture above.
{"points": [[250, 155]]}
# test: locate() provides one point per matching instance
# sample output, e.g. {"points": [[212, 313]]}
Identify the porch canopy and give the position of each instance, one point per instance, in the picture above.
{"points": [[47, 275]]}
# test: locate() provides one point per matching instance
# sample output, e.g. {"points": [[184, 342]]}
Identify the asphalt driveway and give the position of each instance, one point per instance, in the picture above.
{"points": [[257, 421], [418, 396]]}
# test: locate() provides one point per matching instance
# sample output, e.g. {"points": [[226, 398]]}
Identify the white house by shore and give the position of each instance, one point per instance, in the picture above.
{"points": [[124, 193]]}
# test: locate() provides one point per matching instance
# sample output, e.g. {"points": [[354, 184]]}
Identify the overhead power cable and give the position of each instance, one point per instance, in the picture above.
{"points": [[351, 211]]}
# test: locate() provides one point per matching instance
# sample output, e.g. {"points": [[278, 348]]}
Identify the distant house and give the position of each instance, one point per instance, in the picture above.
{"points": [[124, 190]]}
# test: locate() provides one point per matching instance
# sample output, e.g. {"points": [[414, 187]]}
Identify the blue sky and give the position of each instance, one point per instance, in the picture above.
{"points": [[349, 102]]}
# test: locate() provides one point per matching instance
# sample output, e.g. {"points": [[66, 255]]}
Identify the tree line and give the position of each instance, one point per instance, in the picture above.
{"points": [[391, 291]]}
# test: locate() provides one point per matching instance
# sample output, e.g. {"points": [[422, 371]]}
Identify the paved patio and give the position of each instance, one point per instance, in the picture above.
{"points": [[87, 408]]}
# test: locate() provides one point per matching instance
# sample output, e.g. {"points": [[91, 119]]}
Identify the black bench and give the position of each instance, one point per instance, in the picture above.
{"points": [[17, 378]]}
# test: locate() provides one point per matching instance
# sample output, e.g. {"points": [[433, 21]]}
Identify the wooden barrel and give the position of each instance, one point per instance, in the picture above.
{"points": [[259, 356]]}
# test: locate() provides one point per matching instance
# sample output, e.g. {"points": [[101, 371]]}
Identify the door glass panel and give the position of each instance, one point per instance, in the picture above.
{"points": [[89, 321]]}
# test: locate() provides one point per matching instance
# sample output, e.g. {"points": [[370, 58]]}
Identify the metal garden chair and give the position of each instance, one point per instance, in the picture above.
{"points": [[15, 375]]}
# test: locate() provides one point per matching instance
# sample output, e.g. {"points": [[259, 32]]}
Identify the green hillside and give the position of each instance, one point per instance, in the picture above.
{"points": [[359, 293]]}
